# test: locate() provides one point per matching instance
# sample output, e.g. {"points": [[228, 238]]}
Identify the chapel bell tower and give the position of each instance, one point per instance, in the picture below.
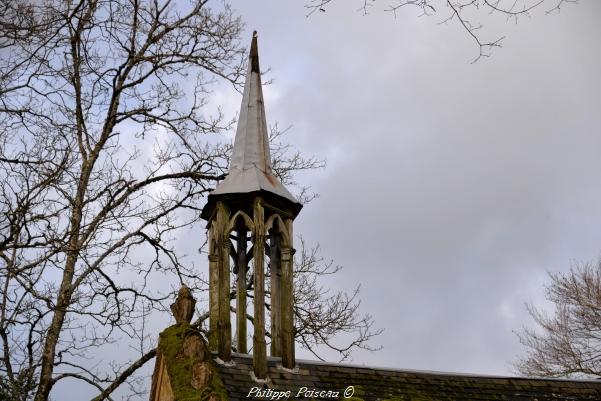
{"points": [[250, 216]]}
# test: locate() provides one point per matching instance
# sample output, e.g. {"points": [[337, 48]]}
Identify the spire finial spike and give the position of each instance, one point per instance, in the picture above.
{"points": [[254, 54]]}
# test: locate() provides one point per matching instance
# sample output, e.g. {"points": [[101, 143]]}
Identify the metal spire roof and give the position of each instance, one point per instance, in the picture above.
{"points": [[250, 165]]}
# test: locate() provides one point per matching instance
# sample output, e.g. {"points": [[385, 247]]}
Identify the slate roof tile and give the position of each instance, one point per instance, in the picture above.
{"points": [[375, 384]]}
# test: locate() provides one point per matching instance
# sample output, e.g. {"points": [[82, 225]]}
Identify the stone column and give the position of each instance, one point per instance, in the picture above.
{"points": [[275, 273], [224, 326], [287, 301], [259, 345]]}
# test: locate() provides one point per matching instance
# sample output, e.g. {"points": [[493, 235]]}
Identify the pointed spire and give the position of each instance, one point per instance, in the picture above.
{"points": [[251, 146], [250, 166]]}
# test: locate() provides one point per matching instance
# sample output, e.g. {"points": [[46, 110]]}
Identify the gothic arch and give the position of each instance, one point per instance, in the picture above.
{"points": [[247, 220], [282, 228]]}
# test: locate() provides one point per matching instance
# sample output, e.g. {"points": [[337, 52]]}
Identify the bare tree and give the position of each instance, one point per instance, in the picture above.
{"points": [[84, 84], [567, 343], [107, 151], [469, 15]]}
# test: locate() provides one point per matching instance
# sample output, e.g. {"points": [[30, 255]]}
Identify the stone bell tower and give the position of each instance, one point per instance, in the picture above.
{"points": [[250, 216]]}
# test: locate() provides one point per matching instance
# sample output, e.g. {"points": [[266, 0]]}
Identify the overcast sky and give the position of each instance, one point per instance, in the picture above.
{"points": [[451, 188]]}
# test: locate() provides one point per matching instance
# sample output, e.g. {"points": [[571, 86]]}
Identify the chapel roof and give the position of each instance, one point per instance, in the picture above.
{"points": [[371, 384]]}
